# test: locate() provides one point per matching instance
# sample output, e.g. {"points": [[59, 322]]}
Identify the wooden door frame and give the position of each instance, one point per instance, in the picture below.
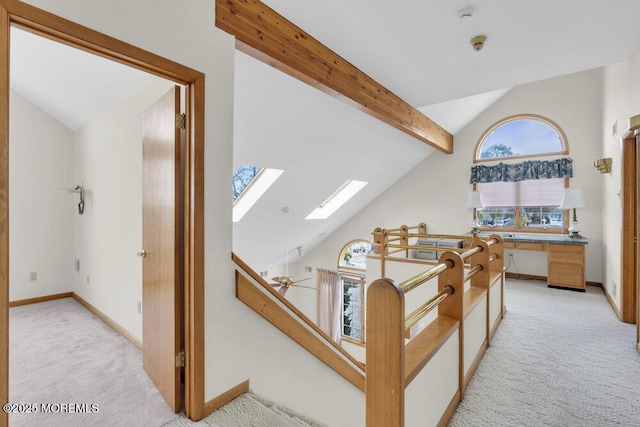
{"points": [[14, 12], [629, 249]]}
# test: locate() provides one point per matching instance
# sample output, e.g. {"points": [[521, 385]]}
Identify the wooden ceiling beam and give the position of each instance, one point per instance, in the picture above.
{"points": [[269, 37]]}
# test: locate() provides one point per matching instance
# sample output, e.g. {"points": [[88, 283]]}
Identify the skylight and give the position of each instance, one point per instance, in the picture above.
{"points": [[249, 184], [242, 178], [337, 199]]}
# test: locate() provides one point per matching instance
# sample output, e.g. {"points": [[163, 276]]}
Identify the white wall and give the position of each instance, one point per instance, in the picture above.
{"points": [[621, 100], [435, 191], [238, 345], [41, 232], [108, 164], [615, 111]]}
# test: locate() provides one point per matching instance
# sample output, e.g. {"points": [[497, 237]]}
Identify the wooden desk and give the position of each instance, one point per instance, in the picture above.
{"points": [[565, 257]]}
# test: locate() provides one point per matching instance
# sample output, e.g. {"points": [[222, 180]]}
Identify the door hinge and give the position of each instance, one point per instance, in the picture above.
{"points": [[181, 121], [180, 359]]}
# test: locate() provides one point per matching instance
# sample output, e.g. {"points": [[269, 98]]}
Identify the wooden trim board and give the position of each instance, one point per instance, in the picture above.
{"points": [[100, 315], [264, 306], [113, 324], [62, 30], [36, 300], [474, 365], [226, 397], [269, 37], [510, 275], [451, 408], [612, 304], [4, 212], [296, 311]]}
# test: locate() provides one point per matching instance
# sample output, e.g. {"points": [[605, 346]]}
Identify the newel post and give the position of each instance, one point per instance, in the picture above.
{"points": [[384, 382]]}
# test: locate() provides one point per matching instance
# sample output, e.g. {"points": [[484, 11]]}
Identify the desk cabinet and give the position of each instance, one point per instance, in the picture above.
{"points": [[565, 266]]}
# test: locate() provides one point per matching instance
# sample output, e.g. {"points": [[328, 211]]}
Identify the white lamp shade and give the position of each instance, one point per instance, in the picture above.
{"points": [[474, 201], [572, 199]]}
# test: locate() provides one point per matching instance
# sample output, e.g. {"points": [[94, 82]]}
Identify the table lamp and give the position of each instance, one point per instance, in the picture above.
{"points": [[572, 200], [474, 202]]}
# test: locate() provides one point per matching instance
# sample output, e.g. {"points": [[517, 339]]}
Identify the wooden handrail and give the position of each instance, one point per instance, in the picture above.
{"points": [[471, 252], [441, 236], [396, 251], [420, 247], [425, 308], [492, 240], [415, 281], [255, 276], [260, 302], [475, 270], [389, 356]]}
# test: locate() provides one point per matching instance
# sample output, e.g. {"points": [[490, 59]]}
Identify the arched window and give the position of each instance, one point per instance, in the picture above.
{"points": [[353, 255], [521, 136], [522, 196]]}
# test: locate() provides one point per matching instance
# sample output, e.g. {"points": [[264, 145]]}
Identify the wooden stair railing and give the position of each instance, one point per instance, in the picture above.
{"points": [[291, 323], [392, 364]]}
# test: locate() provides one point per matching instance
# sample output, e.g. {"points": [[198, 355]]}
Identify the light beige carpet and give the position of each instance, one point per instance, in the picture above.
{"points": [[60, 353], [559, 358], [250, 410]]}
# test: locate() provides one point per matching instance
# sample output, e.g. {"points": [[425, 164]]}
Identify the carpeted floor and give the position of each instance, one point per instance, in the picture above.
{"points": [[250, 410], [559, 358], [60, 353]]}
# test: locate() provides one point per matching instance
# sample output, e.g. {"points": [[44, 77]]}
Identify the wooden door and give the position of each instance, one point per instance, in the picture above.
{"points": [[636, 262], [628, 251], [161, 237]]}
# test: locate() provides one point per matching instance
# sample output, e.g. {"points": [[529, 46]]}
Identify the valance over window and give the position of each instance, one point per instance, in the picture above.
{"points": [[531, 169]]}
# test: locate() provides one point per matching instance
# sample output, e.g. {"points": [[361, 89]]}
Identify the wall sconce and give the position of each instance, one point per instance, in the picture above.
{"points": [[474, 202], [603, 165]]}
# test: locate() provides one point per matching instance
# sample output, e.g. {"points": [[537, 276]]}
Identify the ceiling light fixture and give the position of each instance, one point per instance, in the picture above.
{"points": [[337, 199], [466, 14]]}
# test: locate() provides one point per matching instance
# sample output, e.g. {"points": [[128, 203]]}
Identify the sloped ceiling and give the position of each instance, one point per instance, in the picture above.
{"points": [[420, 50], [319, 142], [416, 48], [72, 86]]}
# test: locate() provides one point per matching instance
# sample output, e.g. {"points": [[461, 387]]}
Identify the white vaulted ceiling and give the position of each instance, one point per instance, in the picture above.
{"points": [[417, 49]]}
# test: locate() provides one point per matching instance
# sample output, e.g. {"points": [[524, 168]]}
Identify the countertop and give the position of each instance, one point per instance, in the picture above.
{"points": [[538, 238]]}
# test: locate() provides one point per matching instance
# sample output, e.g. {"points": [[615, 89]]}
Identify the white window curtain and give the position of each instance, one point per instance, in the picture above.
{"points": [[329, 285]]}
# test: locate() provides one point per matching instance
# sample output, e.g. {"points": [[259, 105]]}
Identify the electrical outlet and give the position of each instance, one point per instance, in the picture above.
{"points": [[264, 273], [76, 264], [308, 269], [88, 279], [139, 307], [614, 285], [33, 276]]}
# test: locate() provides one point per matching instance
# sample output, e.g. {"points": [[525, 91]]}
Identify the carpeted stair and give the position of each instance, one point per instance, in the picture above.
{"points": [[250, 410]]}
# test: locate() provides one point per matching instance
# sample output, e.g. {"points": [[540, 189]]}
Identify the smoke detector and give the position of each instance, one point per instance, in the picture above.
{"points": [[466, 14], [478, 42]]}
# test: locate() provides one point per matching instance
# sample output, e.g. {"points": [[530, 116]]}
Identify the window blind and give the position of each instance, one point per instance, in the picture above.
{"points": [[536, 192]]}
